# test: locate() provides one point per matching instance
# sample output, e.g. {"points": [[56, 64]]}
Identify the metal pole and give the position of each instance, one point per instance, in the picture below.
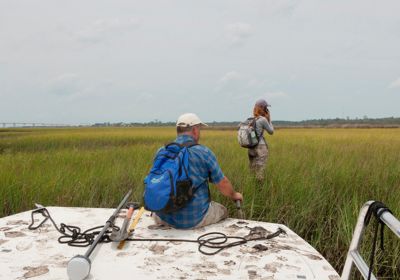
{"points": [[239, 209], [79, 266], [392, 222]]}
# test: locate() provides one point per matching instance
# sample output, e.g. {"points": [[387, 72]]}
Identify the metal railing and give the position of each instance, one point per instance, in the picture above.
{"points": [[353, 255]]}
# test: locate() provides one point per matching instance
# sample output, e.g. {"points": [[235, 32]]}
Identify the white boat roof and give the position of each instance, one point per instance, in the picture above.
{"points": [[36, 254]]}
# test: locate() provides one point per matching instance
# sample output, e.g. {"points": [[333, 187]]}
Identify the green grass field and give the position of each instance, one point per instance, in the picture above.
{"points": [[317, 179]]}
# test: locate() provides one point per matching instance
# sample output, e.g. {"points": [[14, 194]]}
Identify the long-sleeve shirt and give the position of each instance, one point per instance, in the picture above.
{"points": [[261, 125]]}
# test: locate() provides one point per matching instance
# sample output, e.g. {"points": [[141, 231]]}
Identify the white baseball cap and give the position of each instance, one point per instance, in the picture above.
{"points": [[189, 119]]}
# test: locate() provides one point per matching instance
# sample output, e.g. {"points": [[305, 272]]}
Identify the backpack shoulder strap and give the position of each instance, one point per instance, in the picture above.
{"points": [[253, 124], [186, 144], [173, 144], [252, 120], [189, 144]]}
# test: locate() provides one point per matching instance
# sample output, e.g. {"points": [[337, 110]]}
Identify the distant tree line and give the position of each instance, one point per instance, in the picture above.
{"points": [[340, 122], [336, 122]]}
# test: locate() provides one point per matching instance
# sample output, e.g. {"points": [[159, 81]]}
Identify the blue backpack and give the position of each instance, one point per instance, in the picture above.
{"points": [[168, 187]]}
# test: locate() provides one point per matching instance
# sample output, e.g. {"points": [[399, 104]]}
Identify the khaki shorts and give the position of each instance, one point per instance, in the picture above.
{"points": [[215, 213]]}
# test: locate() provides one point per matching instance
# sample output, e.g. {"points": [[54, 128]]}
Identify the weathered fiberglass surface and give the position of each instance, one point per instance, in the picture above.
{"points": [[36, 254]]}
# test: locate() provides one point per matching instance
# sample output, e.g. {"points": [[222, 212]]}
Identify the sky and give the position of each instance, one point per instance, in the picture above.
{"points": [[73, 62]]}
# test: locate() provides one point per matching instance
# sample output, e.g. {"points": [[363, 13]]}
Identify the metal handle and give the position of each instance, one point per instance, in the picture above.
{"points": [[238, 204], [78, 267], [240, 213]]}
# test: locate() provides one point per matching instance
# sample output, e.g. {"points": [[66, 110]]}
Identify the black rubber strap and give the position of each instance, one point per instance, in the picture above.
{"points": [[377, 208]]}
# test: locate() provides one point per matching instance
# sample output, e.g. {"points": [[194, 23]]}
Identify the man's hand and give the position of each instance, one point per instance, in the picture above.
{"points": [[237, 196]]}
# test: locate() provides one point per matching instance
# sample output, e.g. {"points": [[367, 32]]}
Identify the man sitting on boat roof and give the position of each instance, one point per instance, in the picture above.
{"points": [[203, 167]]}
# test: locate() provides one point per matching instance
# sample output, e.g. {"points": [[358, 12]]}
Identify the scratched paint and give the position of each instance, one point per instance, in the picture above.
{"points": [[37, 254], [34, 271]]}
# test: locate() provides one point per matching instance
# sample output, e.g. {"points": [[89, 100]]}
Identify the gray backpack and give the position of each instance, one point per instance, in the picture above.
{"points": [[247, 135]]}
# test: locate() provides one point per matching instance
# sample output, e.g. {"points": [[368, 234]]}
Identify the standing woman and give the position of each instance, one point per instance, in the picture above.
{"points": [[259, 154]]}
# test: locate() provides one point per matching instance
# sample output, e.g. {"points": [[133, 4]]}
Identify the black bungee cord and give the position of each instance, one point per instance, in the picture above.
{"points": [[71, 235], [377, 208], [218, 242], [215, 241]]}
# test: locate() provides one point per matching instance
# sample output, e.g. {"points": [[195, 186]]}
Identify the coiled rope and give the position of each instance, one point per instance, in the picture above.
{"points": [[72, 235], [215, 242]]}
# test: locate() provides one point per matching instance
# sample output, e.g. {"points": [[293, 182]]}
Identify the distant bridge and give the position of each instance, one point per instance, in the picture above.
{"points": [[31, 124]]}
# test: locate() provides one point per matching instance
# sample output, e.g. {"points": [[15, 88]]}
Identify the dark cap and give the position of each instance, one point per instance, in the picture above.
{"points": [[262, 103]]}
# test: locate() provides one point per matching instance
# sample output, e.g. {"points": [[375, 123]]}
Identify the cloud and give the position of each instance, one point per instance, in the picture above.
{"points": [[64, 85], [99, 29], [231, 82], [237, 33], [71, 86], [240, 86], [395, 84], [275, 95], [144, 97], [229, 77], [277, 8], [256, 83]]}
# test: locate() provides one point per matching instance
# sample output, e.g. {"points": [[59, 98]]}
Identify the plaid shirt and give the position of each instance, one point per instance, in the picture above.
{"points": [[203, 167]]}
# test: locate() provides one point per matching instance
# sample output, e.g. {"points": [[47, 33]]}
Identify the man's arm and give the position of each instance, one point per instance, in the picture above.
{"points": [[226, 188]]}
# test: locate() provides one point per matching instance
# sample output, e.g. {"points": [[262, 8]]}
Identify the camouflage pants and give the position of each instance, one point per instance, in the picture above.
{"points": [[258, 159]]}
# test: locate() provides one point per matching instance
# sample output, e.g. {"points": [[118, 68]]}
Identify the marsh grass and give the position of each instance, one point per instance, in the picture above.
{"points": [[316, 179]]}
